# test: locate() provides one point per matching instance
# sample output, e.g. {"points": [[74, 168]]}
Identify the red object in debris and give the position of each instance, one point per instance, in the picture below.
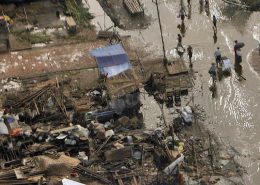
{"points": [[74, 174], [181, 179], [6, 111], [16, 132]]}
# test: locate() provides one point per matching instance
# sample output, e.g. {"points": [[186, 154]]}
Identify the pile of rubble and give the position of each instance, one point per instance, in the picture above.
{"points": [[52, 131]]}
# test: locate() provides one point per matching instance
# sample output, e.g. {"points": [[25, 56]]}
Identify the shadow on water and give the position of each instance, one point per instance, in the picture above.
{"points": [[239, 70], [220, 74], [215, 37]]}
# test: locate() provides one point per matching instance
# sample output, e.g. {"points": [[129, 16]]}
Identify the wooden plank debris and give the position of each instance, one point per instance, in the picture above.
{"points": [[180, 82], [134, 7], [176, 67], [105, 34], [119, 154], [124, 83], [64, 129], [120, 177], [86, 172]]}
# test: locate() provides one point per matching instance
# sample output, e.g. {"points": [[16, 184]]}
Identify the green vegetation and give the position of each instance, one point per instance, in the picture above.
{"points": [[77, 38], [32, 38], [80, 14]]}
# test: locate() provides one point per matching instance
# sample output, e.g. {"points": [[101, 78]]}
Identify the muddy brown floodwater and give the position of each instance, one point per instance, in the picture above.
{"points": [[234, 113]]}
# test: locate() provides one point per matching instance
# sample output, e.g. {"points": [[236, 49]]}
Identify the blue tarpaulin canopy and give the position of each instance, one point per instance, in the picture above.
{"points": [[111, 60]]}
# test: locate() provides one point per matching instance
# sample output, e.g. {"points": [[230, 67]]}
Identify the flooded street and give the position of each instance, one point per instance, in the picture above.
{"points": [[233, 113]]}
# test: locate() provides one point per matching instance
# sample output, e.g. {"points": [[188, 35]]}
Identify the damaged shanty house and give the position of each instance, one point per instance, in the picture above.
{"points": [[119, 79]]}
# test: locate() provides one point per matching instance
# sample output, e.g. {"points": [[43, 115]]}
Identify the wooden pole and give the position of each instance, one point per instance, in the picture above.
{"points": [[160, 25]]}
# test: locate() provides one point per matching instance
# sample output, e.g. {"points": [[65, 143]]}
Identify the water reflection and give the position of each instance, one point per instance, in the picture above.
{"points": [[239, 70], [215, 37]]}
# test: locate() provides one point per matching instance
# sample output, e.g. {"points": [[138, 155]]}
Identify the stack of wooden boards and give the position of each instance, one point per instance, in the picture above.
{"points": [[133, 6]]}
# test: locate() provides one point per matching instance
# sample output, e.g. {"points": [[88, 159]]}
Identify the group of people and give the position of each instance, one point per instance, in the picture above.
{"points": [[217, 54], [189, 49], [204, 4], [218, 59], [182, 15]]}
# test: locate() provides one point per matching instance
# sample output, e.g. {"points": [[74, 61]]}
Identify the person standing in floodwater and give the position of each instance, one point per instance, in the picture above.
{"points": [[207, 7], [190, 53], [237, 52], [182, 29], [201, 6], [214, 23], [218, 56], [206, 3], [182, 13], [238, 56], [188, 1], [179, 39]]}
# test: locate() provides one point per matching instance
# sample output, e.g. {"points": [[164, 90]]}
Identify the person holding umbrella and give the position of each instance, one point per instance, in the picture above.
{"points": [[237, 50]]}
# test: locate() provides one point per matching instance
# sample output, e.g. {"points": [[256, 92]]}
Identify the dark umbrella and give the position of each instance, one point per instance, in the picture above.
{"points": [[239, 45]]}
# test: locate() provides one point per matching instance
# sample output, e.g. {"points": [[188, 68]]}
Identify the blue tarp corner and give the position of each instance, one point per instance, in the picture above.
{"points": [[111, 60]]}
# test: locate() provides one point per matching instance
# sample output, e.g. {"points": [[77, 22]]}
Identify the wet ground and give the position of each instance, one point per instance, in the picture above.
{"points": [[233, 113]]}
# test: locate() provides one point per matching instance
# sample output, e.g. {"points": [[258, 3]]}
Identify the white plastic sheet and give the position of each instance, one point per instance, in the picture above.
{"points": [[70, 182]]}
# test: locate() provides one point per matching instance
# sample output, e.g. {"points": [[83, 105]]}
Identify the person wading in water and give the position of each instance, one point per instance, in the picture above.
{"points": [[214, 23], [190, 53]]}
